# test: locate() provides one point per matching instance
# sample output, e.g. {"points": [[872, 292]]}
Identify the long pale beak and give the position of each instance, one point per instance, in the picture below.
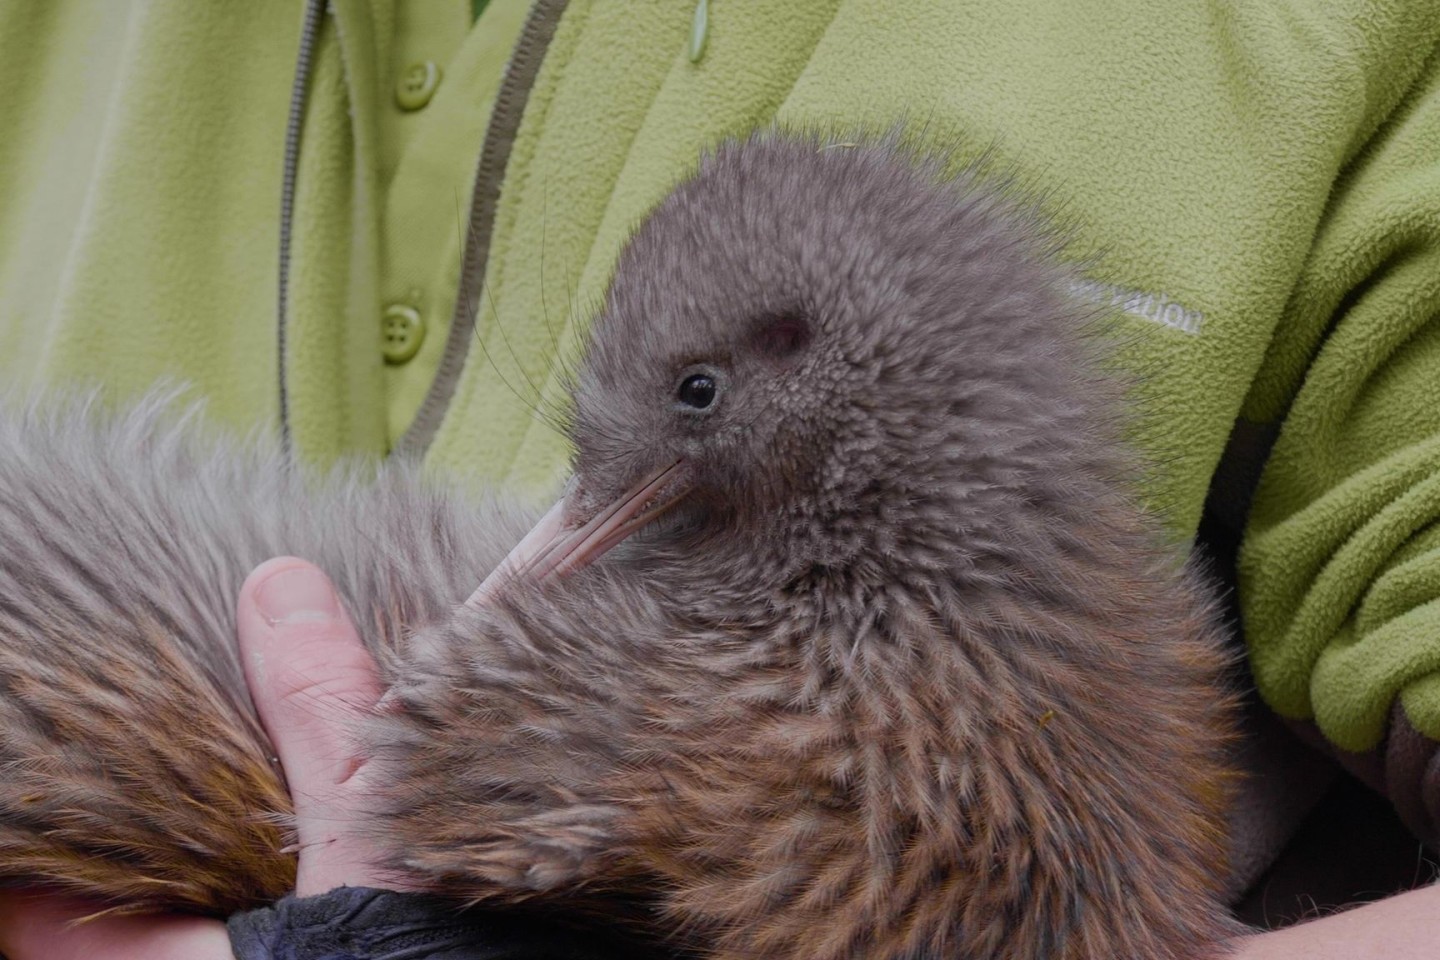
{"points": [[569, 537]]}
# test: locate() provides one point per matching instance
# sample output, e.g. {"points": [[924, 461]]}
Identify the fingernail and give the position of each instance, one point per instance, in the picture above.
{"points": [[295, 595]]}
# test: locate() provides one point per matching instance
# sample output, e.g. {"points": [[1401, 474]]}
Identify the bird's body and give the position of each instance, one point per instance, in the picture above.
{"points": [[897, 667]]}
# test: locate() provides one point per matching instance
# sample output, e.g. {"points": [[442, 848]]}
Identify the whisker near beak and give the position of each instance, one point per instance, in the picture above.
{"points": [[567, 539]]}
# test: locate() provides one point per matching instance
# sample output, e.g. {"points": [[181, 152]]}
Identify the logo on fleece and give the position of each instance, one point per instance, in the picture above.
{"points": [[1155, 307]]}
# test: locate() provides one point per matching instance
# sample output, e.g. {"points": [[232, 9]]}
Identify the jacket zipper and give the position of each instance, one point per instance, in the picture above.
{"points": [[510, 100], [309, 33], [500, 133]]}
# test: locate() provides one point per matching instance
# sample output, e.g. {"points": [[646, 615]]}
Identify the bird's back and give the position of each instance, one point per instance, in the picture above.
{"points": [[135, 768]]}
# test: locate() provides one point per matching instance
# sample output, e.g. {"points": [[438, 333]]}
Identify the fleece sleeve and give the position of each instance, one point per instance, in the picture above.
{"points": [[1340, 567]]}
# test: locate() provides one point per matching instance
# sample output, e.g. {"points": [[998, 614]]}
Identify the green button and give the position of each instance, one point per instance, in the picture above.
{"points": [[401, 332], [417, 85]]}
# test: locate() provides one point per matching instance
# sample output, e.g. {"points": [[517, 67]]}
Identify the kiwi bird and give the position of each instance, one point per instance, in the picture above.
{"points": [[847, 639]]}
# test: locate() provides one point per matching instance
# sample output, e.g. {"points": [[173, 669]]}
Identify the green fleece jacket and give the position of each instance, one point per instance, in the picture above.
{"points": [[1256, 183]]}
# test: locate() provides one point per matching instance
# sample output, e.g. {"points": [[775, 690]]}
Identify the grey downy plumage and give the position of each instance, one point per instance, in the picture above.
{"points": [[882, 659]]}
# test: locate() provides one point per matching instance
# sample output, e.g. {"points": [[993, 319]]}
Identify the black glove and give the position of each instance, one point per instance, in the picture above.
{"points": [[361, 923]]}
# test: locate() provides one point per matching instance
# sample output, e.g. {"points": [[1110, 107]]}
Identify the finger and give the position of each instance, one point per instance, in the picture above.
{"points": [[312, 682], [307, 670], [36, 926]]}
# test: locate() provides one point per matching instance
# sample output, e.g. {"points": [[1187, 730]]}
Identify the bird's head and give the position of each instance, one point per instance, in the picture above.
{"points": [[814, 357]]}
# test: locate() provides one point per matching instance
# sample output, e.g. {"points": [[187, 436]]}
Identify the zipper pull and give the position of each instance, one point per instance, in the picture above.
{"points": [[699, 30]]}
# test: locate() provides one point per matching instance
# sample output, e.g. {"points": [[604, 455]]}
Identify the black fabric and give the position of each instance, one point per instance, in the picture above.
{"points": [[360, 923], [1351, 850]]}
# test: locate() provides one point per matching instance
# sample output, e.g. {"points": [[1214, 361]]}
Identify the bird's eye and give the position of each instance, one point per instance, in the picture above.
{"points": [[697, 390]]}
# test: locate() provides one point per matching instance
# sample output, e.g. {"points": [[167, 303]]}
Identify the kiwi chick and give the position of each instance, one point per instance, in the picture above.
{"points": [[847, 638]]}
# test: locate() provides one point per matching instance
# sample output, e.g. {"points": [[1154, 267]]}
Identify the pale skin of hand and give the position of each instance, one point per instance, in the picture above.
{"points": [[309, 676]]}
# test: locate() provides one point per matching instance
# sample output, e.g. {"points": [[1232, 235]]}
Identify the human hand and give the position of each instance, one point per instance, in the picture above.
{"points": [[311, 679], [1403, 927]]}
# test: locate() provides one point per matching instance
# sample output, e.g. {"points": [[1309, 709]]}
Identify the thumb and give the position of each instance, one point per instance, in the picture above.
{"points": [[312, 681]]}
